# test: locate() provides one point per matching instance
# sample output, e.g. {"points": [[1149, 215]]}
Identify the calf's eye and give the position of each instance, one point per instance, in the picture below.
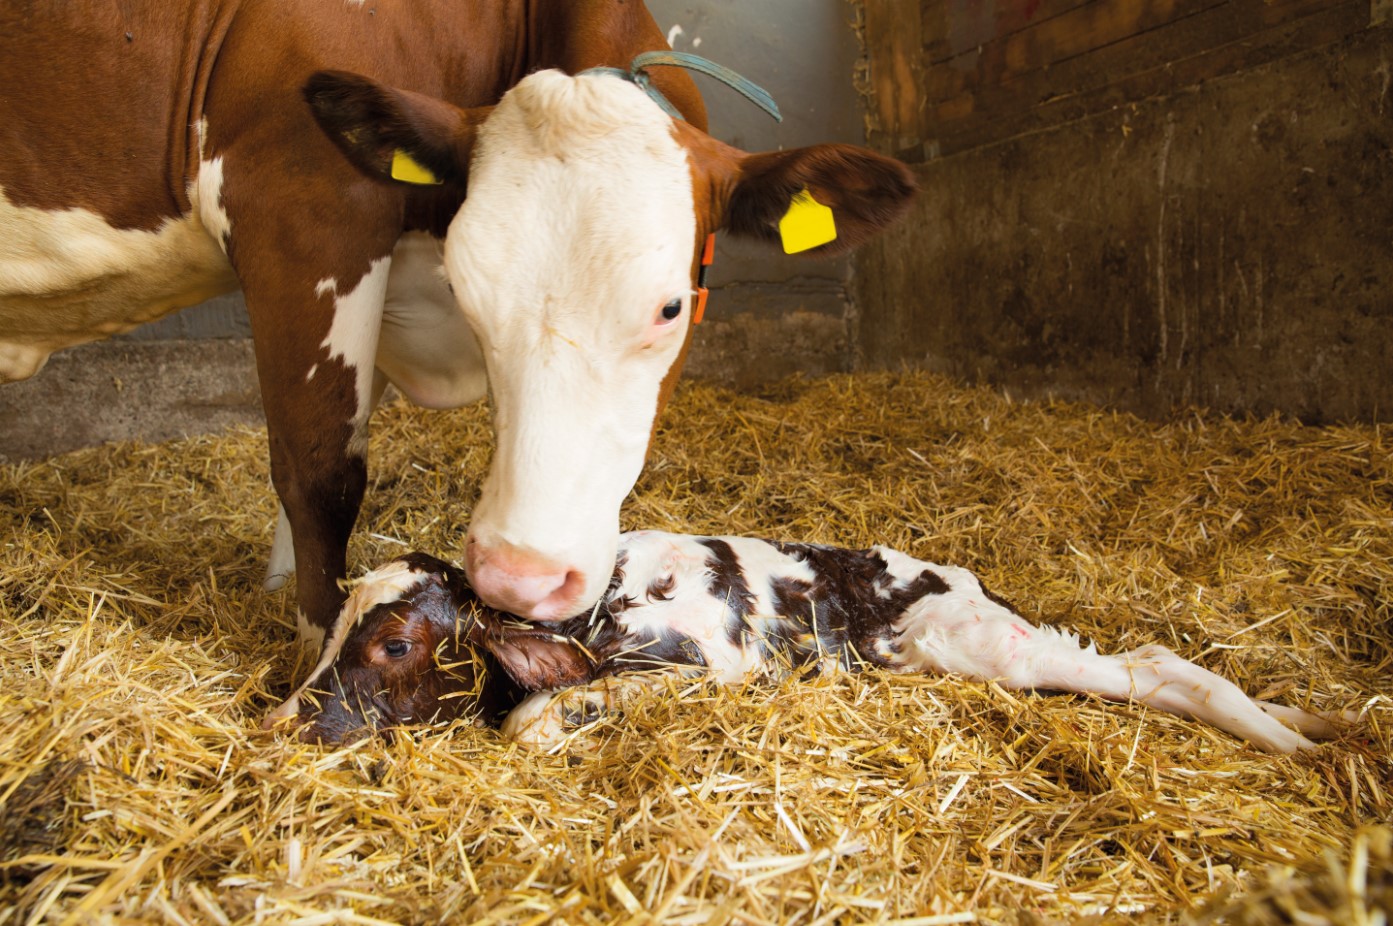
{"points": [[672, 310], [396, 648]]}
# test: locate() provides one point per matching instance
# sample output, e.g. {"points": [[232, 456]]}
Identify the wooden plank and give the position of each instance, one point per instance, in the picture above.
{"points": [[1054, 41], [1199, 48], [1229, 41], [956, 27], [1086, 30], [895, 46], [1089, 28], [1212, 27]]}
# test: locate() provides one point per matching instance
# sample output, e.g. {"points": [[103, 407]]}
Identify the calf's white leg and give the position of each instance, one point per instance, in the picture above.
{"points": [[1318, 724], [966, 633]]}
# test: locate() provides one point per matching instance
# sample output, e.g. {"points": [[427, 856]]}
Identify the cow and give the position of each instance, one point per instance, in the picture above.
{"points": [[414, 644], [438, 195]]}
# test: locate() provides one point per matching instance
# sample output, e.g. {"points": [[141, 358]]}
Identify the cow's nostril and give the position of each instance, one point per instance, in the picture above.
{"points": [[565, 594]]}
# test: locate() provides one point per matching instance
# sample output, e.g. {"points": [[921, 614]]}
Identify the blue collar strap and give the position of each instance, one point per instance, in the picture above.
{"points": [[637, 74]]}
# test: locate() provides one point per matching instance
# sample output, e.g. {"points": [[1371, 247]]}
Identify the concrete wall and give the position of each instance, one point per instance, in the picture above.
{"points": [[769, 314], [1173, 214]]}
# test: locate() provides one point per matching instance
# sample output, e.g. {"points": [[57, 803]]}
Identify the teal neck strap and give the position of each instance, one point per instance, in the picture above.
{"points": [[636, 74]]}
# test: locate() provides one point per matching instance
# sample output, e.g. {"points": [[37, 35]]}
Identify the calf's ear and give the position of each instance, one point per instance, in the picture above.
{"points": [[823, 200], [537, 663], [391, 134]]}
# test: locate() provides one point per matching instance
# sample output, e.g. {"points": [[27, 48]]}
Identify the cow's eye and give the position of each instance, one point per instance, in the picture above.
{"points": [[672, 310], [396, 648]]}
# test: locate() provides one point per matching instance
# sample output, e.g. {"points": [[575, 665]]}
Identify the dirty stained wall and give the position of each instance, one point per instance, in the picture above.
{"points": [[770, 315], [1140, 203]]}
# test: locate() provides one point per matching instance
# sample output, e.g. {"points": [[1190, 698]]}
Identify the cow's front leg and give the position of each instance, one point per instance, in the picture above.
{"points": [[280, 565], [547, 719], [425, 349], [316, 312]]}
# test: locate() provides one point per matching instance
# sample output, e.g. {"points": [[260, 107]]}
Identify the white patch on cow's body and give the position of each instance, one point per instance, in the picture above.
{"points": [[208, 185], [281, 565], [380, 586], [420, 342], [579, 225], [353, 338], [67, 277], [427, 349]]}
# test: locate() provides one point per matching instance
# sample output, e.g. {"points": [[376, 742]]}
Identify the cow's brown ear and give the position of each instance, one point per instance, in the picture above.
{"points": [[391, 134], [823, 200]]}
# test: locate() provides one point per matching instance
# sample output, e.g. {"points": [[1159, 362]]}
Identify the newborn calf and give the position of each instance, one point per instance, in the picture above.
{"points": [[414, 645]]}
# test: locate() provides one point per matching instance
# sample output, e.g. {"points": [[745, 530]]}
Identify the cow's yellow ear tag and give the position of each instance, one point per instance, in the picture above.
{"points": [[408, 170], [807, 224]]}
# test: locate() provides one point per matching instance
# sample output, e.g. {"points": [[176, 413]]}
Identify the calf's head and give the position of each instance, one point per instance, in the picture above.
{"points": [[413, 644], [573, 257], [400, 652]]}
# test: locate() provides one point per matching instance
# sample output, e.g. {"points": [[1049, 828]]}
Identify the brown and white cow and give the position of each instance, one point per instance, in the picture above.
{"points": [[415, 645], [154, 154]]}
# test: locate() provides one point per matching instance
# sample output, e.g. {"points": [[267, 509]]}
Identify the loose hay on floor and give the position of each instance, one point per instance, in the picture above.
{"points": [[139, 655]]}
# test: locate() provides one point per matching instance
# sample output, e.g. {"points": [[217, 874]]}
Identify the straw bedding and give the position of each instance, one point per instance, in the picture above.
{"points": [[138, 655]]}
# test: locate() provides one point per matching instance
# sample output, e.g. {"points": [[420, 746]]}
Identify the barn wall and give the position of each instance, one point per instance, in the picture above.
{"points": [[1140, 202], [770, 315]]}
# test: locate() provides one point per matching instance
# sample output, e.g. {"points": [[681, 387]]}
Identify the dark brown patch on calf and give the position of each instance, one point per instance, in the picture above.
{"points": [[612, 602], [845, 607], [798, 601], [648, 650], [728, 584], [658, 589]]}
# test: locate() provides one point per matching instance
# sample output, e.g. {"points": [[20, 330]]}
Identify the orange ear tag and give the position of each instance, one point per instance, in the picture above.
{"points": [[708, 256]]}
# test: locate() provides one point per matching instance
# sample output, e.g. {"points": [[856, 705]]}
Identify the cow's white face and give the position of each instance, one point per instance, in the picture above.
{"points": [[572, 260]]}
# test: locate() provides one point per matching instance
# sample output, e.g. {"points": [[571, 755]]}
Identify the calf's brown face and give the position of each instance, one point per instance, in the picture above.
{"points": [[405, 649]]}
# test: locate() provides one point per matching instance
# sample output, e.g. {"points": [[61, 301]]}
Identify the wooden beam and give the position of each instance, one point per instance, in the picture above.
{"points": [[895, 45], [1224, 39]]}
